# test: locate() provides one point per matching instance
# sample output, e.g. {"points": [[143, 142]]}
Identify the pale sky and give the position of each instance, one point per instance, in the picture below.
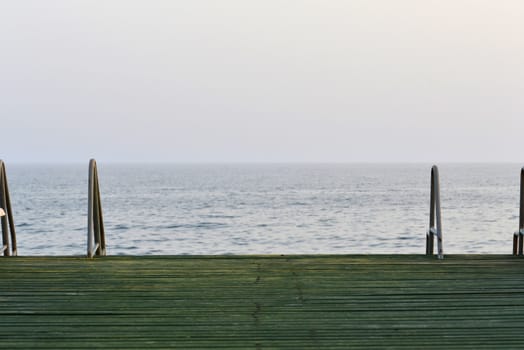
{"points": [[262, 81]]}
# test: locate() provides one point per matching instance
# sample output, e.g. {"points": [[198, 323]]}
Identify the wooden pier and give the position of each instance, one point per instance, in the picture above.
{"points": [[262, 302]]}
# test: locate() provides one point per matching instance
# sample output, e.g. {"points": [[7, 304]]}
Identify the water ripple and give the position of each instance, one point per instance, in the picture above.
{"points": [[266, 209]]}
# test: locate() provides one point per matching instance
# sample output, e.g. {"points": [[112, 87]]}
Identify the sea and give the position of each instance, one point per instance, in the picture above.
{"points": [[166, 209]]}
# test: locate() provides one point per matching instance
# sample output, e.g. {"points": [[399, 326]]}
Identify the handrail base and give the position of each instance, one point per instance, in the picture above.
{"points": [[518, 243], [92, 252], [431, 234]]}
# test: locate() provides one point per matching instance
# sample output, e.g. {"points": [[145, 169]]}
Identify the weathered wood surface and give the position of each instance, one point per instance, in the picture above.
{"points": [[255, 302]]}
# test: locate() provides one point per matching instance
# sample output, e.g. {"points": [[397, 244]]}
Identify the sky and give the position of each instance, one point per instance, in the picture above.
{"points": [[262, 81]]}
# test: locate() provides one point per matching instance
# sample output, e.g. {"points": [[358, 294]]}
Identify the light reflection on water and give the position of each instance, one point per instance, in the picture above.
{"points": [[265, 209]]}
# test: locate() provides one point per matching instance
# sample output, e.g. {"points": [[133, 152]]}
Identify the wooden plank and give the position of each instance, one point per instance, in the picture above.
{"points": [[262, 302]]}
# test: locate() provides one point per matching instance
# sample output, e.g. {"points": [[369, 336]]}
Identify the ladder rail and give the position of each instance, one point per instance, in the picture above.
{"points": [[96, 242], [435, 217], [9, 247], [518, 237]]}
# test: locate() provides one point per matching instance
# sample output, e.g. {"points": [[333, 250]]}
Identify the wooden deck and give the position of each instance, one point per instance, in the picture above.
{"points": [[257, 302]]}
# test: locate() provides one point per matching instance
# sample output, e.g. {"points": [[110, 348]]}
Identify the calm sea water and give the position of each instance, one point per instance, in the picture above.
{"points": [[265, 209]]}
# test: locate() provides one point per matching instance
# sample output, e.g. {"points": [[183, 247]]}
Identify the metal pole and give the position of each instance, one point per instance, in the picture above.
{"points": [[518, 237], [90, 233], [7, 221], [101, 230], [95, 224], [435, 228], [521, 219], [3, 219], [437, 213], [430, 237], [10, 217]]}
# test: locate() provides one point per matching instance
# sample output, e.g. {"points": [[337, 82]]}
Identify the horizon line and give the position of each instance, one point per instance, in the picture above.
{"points": [[241, 162]]}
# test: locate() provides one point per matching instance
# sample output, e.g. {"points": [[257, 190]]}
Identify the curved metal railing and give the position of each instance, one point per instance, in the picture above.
{"points": [[435, 221], [96, 241], [518, 237], [6, 216]]}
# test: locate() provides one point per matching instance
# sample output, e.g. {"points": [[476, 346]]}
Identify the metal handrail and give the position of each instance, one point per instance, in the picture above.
{"points": [[435, 228], [96, 241], [518, 237], [6, 216]]}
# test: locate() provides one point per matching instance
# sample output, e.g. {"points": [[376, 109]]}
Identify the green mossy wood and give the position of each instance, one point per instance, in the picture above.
{"points": [[257, 302]]}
